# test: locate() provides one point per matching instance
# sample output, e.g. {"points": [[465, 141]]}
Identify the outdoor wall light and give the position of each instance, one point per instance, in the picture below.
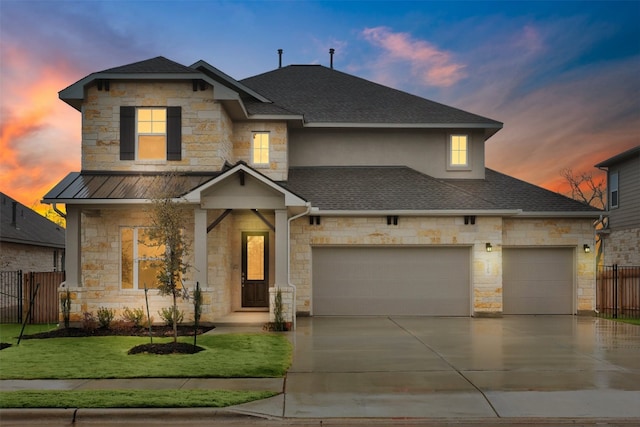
{"points": [[586, 248], [489, 247]]}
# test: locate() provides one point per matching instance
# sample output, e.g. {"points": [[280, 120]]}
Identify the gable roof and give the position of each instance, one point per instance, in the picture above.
{"points": [[157, 65], [625, 155], [326, 96], [30, 228], [402, 189]]}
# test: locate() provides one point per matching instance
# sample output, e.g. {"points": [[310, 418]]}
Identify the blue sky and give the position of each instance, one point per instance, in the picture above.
{"points": [[562, 76]]}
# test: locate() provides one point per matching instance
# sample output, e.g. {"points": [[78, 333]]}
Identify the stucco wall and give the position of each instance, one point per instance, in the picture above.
{"points": [[423, 150]]}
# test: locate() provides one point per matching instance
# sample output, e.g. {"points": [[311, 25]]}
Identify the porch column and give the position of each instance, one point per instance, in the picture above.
{"points": [[200, 246], [282, 255], [73, 250]]}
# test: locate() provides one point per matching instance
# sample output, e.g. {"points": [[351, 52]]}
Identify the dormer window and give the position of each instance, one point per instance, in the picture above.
{"points": [[260, 148], [458, 152], [150, 133]]}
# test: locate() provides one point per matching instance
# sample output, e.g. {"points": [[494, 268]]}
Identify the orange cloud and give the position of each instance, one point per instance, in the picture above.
{"points": [[432, 66], [39, 134]]}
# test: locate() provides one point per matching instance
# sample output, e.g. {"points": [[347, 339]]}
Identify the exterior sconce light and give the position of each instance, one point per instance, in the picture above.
{"points": [[489, 247], [586, 249]]}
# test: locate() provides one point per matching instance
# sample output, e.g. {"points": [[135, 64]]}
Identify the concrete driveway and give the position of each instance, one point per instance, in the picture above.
{"points": [[463, 368]]}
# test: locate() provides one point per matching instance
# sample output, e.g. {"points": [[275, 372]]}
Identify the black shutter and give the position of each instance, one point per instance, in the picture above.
{"points": [[127, 133], [174, 133]]}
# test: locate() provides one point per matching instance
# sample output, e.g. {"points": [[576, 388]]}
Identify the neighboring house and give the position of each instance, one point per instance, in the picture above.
{"points": [[622, 236], [28, 241], [351, 197]]}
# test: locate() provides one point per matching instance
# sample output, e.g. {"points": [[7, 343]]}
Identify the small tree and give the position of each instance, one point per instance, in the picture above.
{"points": [[585, 188], [167, 219]]}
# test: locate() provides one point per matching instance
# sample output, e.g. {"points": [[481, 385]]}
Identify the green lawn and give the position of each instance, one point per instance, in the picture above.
{"points": [[225, 356]]}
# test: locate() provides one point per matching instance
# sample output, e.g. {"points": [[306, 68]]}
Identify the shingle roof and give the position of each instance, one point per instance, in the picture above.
{"points": [[325, 95], [122, 185], [159, 64], [30, 227], [402, 188], [620, 157]]}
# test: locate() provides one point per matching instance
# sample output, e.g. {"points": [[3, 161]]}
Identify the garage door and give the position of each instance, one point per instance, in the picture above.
{"points": [[391, 281], [537, 281]]}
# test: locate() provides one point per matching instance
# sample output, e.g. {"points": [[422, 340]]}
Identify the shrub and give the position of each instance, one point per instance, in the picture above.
{"points": [[135, 316], [167, 315], [105, 316], [89, 321], [65, 305]]}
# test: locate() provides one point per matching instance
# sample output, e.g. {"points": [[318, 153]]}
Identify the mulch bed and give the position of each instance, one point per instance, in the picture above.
{"points": [[157, 331]]}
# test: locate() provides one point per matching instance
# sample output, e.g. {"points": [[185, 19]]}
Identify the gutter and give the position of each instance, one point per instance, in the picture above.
{"points": [[295, 290]]}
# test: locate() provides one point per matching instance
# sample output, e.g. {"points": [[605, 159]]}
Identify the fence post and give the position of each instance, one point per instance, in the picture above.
{"points": [[615, 290], [20, 296]]}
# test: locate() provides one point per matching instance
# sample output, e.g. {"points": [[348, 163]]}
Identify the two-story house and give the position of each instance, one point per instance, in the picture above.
{"points": [[351, 197], [621, 238]]}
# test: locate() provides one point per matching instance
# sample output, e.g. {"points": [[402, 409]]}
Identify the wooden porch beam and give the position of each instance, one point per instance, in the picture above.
{"points": [[271, 226], [218, 220]]}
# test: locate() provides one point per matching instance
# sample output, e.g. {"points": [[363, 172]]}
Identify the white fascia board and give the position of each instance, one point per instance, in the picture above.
{"points": [[560, 214], [444, 212], [227, 78], [404, 125], [290, 198]]}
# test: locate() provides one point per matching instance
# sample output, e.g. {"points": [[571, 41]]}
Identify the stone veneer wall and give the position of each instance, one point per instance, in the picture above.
{"points": [[242, 134], [101, 267], [419, 231], [206, 127], [486, 266], [622, 247], [15, 256]]}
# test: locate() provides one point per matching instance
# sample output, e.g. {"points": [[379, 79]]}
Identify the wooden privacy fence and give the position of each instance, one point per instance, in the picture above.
{"points": [[618, 291], [17, 291]]}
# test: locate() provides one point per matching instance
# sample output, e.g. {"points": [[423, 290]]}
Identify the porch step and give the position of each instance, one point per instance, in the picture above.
{"points": [[243, 318]]}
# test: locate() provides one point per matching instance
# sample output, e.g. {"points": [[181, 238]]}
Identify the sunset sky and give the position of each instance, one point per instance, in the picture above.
{"points": [[563, 77]]}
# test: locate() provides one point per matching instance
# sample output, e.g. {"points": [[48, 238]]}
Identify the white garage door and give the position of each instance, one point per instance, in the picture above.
{"points": [[537, 281], [391, 281]]}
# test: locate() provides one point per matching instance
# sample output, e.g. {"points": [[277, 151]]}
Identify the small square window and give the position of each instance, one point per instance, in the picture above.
{"points": [[260, 148]]}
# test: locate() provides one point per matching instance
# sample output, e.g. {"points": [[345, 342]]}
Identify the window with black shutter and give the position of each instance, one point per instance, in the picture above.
{"points": [[150, 133]]}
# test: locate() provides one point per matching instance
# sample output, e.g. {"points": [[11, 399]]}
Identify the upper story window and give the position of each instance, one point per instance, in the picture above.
{"points": [[613, 190], [260, 148], [458, 153], [150, 133]]}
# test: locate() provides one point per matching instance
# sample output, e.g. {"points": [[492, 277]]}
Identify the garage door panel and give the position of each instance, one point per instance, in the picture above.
{"points": [[538, 280], [391, 281]]}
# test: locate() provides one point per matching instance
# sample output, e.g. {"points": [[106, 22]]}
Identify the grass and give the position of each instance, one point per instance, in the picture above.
{"points": [[225, 356], [128, 398], [626, 320]]}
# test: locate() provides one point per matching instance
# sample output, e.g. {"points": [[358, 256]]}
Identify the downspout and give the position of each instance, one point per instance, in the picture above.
{"points": [[58, 211], [295, 290]]}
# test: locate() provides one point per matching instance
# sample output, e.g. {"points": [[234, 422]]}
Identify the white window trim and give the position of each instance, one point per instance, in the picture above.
{"points": [[135, 259], [614, 188], [253, 162], [451, 166], [138, 160]]}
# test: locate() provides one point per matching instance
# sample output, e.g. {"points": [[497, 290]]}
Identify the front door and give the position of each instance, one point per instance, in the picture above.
{"points": [[255, 269]]}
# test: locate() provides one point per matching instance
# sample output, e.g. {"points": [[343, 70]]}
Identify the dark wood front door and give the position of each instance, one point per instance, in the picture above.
{"points": [[255, 269]]}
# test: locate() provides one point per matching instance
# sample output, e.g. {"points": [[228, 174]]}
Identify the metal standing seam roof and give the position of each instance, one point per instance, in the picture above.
{"points": [[30, 228], [122, 186]]}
